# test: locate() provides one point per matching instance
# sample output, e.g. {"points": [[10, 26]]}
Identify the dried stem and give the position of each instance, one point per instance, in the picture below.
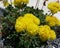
{"points": [[37, 4], [58, 1], [11, 2]]}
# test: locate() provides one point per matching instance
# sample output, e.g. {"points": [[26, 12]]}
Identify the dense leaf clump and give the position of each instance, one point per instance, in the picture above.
{"points": [[19, 40]]}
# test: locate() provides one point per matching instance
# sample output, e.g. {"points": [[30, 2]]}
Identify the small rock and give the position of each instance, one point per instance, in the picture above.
{"points": [[1, 44], [59, 45], [49, 46]]}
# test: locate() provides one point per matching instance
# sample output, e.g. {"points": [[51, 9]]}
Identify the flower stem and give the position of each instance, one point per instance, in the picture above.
{"points": [[11, 2], [37, 4]]}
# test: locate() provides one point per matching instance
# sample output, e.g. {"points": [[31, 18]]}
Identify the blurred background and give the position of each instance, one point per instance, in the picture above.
{"points": [[40, 6]]}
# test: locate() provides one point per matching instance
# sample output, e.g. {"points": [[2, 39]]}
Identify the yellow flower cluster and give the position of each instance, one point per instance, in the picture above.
{"points": [[46, 33], [29, 23], [20, 26], [19, 2], [15, 2], [54, 7], [58, 24], [51, 20], [5, 3]]}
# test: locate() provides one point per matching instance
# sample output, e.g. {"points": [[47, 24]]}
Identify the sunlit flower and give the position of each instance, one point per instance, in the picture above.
{"points": [[51, 20], [46, 33], [33, 18], [20, 2], [54, 7], [28, 22], [58, 24], [52, 35], [20, 26], [5, 3], [32, 29]]}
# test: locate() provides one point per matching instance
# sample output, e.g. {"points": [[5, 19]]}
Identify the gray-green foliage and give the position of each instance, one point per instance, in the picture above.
{"points": [[20, 40]]}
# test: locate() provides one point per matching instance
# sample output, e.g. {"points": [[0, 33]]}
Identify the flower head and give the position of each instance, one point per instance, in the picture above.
{"points": [[20, 26], [5, 3], [46, 33], [33, 18], [28, 22], [20, 2], [54, 7], [58, 23], [51, 20], [52, 35], [32, 29]]}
